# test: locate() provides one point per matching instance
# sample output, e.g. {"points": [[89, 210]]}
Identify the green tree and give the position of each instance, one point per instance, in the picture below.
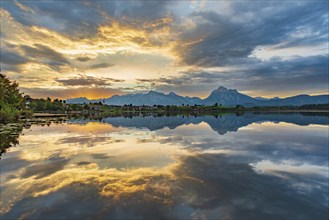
{"points": [[11, 100]]}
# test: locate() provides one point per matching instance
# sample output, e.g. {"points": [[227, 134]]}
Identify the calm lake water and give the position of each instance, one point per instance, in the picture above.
{"points": [[254, 166]]}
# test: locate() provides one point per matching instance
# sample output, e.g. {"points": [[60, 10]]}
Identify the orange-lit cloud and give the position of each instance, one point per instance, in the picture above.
{"points": [[156, 40], [54, 56], [64, 93]]}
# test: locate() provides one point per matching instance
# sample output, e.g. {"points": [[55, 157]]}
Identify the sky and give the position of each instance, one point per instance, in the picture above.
{"points": [[96, 49]]}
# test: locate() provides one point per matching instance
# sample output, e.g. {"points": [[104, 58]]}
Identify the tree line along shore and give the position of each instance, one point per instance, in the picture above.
{"points": [[14, 106]]}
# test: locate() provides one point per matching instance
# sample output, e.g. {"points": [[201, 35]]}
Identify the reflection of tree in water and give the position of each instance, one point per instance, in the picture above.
{"points": [[9, 135]]}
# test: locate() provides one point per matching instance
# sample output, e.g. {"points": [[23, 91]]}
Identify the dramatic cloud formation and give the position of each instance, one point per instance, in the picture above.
{"points": [[87, 80], [224, 39], [190, 47]]}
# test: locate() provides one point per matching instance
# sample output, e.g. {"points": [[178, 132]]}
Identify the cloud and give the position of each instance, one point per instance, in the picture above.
{"points": [[83, 18], [12, 58], [62, 16], [294, 75], [166, 39], [72, 92], [101, 65], [173, 80], [83, 80], [83, 59], [53, 52], [44, 53], [211, 38], [274, 77]]}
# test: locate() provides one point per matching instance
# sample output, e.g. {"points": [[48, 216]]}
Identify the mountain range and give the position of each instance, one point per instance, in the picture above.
{"points": [[221, 96]]}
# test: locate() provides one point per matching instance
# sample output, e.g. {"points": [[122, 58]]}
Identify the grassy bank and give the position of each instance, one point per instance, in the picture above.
{"points": [[9, 113]]}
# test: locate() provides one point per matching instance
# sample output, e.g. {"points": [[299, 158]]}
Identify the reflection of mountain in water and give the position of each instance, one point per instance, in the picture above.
{"points": [[221, 124], [232, 122]]}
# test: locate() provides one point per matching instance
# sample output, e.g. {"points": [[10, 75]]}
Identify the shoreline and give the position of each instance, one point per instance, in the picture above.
{"points": [[40, 115], [49, 115]]}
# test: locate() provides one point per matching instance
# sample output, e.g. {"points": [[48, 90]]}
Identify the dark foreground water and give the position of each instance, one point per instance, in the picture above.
{"points": [[254, 166]]}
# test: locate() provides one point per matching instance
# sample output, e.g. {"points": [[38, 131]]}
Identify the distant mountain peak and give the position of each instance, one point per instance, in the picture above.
{"points": [[227, 97], [224, 90], [154, 93], [221, 88]]}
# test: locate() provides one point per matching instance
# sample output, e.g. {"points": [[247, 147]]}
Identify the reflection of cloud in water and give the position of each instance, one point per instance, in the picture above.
{"points": [[88, 141], [43, 170], [171, 174], [237, 192], [90, 128], [209, 185], [291, 166], [269, 141], [148, 183]]}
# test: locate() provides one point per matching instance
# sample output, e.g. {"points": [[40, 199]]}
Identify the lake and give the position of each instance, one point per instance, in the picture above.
{"points": [[250, 166]]}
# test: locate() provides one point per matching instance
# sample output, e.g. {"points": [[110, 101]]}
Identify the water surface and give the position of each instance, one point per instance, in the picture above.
{"points": [[254, 166]]}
